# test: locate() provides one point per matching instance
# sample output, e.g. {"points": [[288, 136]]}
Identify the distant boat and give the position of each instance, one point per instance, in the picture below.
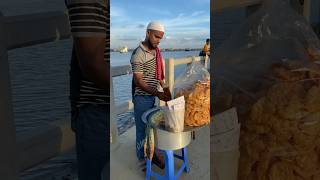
{"points": [[123, 50], [187, 49]]}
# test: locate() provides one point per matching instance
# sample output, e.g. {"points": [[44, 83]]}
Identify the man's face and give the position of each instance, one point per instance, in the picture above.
{"points": [[154, 37]]}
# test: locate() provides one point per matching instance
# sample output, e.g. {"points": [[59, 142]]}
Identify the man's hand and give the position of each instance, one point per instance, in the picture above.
{"points": [[163, 96], [166, 90], [138, 80]]}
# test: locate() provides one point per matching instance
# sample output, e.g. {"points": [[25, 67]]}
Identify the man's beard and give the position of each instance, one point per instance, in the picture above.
{"points": [[152, 45]]}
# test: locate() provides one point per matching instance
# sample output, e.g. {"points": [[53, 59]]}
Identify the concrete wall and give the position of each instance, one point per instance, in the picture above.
{"points": [[39, 144], [8, 148]]}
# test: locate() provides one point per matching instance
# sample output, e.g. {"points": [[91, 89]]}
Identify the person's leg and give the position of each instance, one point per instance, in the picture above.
{"points": [[141, 105], [92, 136]]}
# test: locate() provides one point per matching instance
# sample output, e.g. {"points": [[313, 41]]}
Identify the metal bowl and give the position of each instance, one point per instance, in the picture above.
{"points": [[165, 139]]}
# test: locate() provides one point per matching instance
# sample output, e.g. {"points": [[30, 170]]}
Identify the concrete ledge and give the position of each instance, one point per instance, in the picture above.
{"points": [[120, 70], [32, 29], [40, 144]]}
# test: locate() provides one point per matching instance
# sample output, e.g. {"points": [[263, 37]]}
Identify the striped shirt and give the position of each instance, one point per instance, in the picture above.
{"points": [[144, 61], [88, 18]]}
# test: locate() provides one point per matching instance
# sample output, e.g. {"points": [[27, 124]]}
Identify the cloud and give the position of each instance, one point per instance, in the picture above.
{"points": [[194, 19], [141, 26], [116, 12], [183, 30], [118, 15], [127, 39], [158, 11], [201, 2], [196, 13]]}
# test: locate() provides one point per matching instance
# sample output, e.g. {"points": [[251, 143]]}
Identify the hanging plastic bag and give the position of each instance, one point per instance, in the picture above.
{"points": [[268, 70], [194, 85], [174, 115]]}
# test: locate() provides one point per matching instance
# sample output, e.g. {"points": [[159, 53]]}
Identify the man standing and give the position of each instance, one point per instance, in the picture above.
{"points": [[206, 49], [89, 85], [148, 80]]}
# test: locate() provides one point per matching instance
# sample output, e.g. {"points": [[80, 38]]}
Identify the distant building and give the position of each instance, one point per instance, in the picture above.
{"points": [[123, 50]]}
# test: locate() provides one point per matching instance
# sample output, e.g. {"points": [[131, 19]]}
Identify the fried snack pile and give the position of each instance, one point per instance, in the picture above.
{"points": [[197, 107], [280, 135]]}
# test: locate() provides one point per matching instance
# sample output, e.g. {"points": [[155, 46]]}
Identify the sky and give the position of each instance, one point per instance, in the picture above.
{"points": [[187, 22]]}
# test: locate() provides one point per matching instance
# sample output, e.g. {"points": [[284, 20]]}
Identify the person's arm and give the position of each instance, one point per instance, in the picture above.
{"points": [[90, 53], [89, 34], [139, 82], [161, 82], [136, 63]]}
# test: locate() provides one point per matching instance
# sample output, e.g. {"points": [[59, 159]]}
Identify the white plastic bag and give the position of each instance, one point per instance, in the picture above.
{"points": [[174, 114]]}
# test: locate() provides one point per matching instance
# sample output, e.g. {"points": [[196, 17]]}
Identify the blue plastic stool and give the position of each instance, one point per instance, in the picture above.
{"points": [[169, 166]]}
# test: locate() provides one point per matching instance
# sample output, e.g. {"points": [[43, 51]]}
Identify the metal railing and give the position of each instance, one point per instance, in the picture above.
{"points": [[170, 65]]}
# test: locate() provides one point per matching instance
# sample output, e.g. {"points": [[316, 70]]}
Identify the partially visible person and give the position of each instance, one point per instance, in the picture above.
{"points": [[89, 85], [206, 49], [148, 81]]}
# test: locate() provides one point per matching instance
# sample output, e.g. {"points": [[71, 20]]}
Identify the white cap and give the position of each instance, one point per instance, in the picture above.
{"points": [[155, 26]]}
